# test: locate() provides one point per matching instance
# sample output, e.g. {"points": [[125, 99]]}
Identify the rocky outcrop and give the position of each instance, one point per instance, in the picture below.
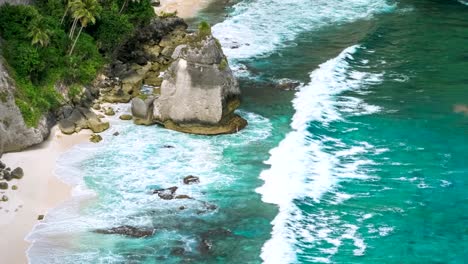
{"points": [[15, 135], [126, 230], [199, 93], [74, 120]]}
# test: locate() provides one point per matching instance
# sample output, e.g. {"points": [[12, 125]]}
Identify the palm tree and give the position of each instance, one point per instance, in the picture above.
{"points": [[38, 33], [86, 14], [125, 4], [75, 7], [67, 3]]}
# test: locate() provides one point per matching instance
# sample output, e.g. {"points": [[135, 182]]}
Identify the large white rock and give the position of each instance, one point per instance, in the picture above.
{"points": [[198, 86]]}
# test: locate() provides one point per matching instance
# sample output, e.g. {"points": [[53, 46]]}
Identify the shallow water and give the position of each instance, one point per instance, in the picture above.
{"points": [[366, 163]]}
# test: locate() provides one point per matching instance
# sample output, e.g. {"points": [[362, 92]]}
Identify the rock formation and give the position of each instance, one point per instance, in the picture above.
{"points": [[199, 93], [14, 133]]}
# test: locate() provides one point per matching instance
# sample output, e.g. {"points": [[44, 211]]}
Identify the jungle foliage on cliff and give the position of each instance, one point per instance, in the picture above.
{"points": [[63, 42]]}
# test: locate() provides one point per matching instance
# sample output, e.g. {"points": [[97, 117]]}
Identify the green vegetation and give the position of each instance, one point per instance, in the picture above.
{"points": [[224, 64], [63, 42], [204, 29]]}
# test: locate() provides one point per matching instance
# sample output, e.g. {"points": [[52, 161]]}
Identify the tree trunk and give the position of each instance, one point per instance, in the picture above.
{"points": [[64, 14], [72, 30], [76, 40], [123, 6]]}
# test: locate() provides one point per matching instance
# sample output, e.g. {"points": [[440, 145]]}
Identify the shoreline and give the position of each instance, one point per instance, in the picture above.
{"points": [[185, 8], [38, 191]]}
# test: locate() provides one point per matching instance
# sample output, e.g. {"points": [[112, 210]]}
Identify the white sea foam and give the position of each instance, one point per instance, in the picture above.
{"points": [[123, 170], [303, 167], [257, 28]]}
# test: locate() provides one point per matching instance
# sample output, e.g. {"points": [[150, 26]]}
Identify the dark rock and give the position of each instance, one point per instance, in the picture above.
{"points": [[7, 175], [40, 217], [126, 230], [155, 3], [5, 198], [205, 246], [182, 208], [166, 194], [2, 165], [183, 196], [168, 146], [14, 187], [287, 85], [116, 134], [178, 251], [17, 173], [191, 179], [3, 185]]}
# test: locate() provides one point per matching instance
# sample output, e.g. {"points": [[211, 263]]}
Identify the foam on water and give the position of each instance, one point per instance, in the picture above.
{"points": [[257, 28], [113, 181], [304, 168]]}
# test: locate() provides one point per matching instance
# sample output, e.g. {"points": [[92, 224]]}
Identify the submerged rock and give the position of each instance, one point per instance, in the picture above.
{"points": [[287, 85], [191, 179], [127, 230], [125, 117], [166, 194]]}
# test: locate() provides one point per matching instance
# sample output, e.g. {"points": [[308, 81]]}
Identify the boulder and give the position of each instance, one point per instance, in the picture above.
{"points": [[5, 198], [127, 230], [95, 138], [66, 126], [166, 194], [3, 185], [199, 92], [2, 165], [17, 173], [191, 179], [7, 175], [109, 111], [97, 126], [125, 117], [142, 110]]}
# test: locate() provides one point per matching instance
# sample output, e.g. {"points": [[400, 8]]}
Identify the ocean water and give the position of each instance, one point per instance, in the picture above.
{"points": [[365, 163]]}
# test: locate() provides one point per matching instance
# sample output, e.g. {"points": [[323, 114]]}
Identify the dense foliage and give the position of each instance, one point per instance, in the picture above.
{"points": [[63, 41]]}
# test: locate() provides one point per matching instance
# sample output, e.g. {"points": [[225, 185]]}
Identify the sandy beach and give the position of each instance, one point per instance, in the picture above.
{"points": [[38, 191], [184, 8]]}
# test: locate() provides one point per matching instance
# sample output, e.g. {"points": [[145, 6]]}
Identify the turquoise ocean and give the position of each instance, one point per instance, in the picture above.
{"points": [[366, 162]]}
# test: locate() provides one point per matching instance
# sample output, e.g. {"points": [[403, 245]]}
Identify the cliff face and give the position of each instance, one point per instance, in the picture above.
{"points": [[14, 134]]}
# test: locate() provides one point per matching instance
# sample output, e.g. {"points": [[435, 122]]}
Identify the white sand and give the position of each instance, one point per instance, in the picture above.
{"points": [[38, 191], [184, 8]]}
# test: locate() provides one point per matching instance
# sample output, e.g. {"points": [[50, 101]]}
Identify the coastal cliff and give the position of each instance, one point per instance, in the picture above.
{"points": [[14, 133]]}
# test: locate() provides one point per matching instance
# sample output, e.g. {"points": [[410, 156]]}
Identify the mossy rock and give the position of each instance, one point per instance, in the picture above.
{"points": [[3, 185], [233, 125], [95, 138], [143, 122], [126, 117]]}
